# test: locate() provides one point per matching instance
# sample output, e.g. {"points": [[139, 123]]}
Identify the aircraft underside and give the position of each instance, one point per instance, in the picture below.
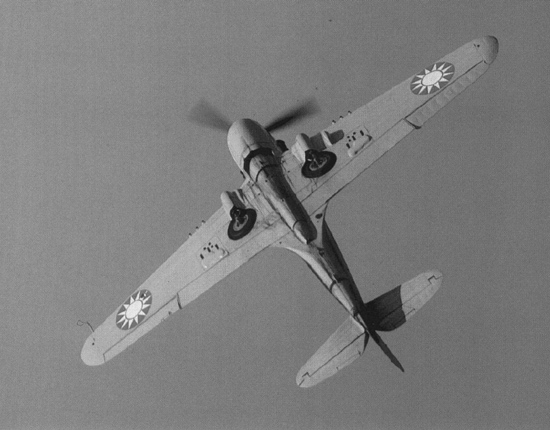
{"points": [[283, 202]]}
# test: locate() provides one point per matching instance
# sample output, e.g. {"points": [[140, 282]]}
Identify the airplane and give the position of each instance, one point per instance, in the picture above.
{"points": [[283, 202]]}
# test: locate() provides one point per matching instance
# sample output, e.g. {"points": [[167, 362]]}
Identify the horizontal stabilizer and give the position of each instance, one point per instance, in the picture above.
{"points": [[345, 345], [392, 309]]}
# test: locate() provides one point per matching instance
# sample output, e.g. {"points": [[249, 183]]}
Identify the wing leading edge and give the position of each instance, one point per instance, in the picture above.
{"points": [[203, 260]]}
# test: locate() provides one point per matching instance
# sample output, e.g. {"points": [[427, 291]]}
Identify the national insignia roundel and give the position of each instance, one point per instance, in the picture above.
{"points": [[433, 78], [134, 309]]}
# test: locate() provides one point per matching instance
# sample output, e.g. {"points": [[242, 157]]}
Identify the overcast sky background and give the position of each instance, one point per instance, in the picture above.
{"points": [[103, 177]]}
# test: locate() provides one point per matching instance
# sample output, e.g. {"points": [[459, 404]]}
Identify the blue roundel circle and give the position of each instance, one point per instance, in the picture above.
{"points": [[134, 310]]}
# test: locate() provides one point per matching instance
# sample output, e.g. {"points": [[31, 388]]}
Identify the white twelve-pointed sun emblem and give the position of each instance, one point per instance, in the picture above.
{"points": [[433, 78], [134, 309]]}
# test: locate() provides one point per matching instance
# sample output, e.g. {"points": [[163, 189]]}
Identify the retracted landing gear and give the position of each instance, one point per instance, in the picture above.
{"points": [[242, 222], [318, 163]]}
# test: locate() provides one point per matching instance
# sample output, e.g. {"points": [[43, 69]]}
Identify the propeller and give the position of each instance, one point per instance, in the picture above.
{"points": [[309, 107], [205, 114]]}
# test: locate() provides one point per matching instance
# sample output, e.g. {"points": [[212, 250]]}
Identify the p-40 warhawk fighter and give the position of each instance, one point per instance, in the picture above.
{"points": [[283, 202]]}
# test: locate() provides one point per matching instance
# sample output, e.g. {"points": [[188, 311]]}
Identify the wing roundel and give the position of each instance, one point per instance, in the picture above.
{"points": [[134, 309]]}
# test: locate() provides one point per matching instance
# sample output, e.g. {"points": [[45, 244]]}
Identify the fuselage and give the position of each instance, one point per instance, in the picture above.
{"points": [[257, 156]]}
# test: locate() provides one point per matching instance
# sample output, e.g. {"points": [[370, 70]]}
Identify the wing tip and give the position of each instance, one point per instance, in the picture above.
{"points": [[300, 381], [487, 47], [304, 380], [90, 354], [434, 277]]}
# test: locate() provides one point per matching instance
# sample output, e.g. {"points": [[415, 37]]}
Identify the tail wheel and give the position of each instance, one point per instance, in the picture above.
{"points": [[242, 222], [318, 163]]}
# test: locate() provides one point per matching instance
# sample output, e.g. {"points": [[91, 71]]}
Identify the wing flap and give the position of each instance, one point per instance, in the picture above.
{"points": [[343, 347], [312, 201]]}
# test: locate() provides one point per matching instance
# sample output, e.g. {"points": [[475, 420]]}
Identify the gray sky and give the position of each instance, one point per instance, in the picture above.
{"points": [[103, 177]]}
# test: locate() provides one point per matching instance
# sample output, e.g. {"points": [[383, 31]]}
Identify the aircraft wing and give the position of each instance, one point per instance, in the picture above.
{"points": [[363, 136], [204, 259]]}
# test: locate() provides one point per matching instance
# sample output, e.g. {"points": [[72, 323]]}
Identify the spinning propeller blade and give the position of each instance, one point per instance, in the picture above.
{"points": [[307, 108], [205, 114]]}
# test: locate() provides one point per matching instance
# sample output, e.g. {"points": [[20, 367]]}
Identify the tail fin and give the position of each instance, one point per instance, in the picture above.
{"points": [[345, 345], [392, 309], [386, 349]]}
